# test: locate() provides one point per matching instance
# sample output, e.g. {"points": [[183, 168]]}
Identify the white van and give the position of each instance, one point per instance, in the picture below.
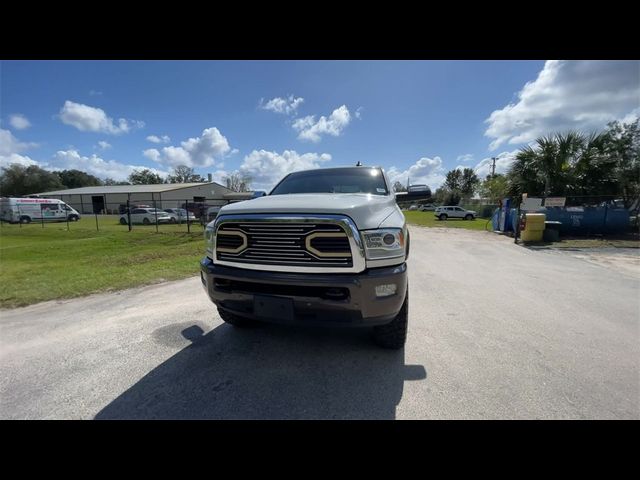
{"points": [[26, 210]]}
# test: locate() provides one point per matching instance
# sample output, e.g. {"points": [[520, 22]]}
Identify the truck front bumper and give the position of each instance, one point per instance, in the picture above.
{"points": [[314, 298]]}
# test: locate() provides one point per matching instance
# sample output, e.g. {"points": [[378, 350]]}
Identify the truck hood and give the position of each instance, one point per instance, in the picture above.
{"points": [[366, 210]]}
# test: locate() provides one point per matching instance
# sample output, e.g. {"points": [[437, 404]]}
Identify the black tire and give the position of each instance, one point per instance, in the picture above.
{"points": [[468, 217], [73, 218], [146, 221], [236, 320], [394, 335], [123, 221], [25, 219], [443, 216]]}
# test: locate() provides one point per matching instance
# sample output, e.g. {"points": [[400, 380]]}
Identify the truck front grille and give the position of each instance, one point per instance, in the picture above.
{"points": [[283, 243]]}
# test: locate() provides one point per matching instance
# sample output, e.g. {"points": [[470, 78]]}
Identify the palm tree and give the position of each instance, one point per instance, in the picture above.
{"points": [[546, 167]]}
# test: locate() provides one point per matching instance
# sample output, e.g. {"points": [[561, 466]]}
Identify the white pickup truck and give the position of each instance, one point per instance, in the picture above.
{"points": [[325, 247]]}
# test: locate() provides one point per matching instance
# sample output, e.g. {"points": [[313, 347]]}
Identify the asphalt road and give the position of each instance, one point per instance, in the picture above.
{"points": [[496, 331]]}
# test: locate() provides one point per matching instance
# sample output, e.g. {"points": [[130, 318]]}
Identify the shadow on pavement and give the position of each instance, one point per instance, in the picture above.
{"points": [[270, 372]]}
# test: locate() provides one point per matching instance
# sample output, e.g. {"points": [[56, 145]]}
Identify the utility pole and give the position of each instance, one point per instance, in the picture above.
{"points": [[493, 167]]}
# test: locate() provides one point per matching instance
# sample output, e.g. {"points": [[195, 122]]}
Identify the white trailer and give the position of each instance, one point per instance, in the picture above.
{"points": [[26, 210]]}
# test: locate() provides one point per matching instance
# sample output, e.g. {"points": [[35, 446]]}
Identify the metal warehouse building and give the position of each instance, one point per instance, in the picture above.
{"points": [[108, 199]]}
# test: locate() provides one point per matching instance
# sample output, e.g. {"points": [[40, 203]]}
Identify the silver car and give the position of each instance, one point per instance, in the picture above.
{"points": [[179, 215]]}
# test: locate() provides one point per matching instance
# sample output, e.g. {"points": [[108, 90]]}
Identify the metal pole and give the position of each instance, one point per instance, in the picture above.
{"points": [[129, 210], [517, 226], [67, 215], [19, 216], [186, 207], [604, 225], [96, 214], [155, 209], [41, 215]]}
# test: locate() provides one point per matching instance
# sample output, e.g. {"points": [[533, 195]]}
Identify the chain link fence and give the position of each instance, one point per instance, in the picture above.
{"points": [[144, 214]]}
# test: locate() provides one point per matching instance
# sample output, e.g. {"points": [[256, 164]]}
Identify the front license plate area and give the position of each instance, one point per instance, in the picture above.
{"points": [[273, 307]]}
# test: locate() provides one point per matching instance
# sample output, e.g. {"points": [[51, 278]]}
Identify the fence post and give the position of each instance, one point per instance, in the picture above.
{"points": [[186, 207], [155, 209], [606, 211], [41, 215], [516, 227], [19, 216], [96, 215], [67, 215], [129, 210]]}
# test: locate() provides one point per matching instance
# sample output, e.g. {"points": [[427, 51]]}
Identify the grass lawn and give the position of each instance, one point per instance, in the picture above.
{"points": [[39, 264], [428, 219]]}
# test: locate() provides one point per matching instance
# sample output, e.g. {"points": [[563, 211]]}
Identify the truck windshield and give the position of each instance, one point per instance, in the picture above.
{"points": [[334, 180]]}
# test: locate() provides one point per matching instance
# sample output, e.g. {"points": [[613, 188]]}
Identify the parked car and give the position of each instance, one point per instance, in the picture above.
{"points": [[180, 215], [146, 216], [197, 208], [427, 208], [122, 208], [442, 213], [413, 207]]}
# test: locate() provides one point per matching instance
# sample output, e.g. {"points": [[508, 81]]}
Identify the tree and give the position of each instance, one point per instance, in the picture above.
{"points": [[184, 174], [111, 181], [494, 188], [77, 179], [17, 180], [144, 177], [399, 187], [469, 182], [621, 143], [440, 196], [238, 182], [546, 167], [453, 180]]}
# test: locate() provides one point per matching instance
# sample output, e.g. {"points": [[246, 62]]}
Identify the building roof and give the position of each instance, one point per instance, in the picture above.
{"points": [[101, 190]]}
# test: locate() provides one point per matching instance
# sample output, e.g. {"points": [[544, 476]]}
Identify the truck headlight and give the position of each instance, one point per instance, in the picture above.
{"points": [[383, 243], [210, 239]]}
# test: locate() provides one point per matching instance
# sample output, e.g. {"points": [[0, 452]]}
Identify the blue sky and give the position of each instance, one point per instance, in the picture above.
{"points": [[266, 118]]}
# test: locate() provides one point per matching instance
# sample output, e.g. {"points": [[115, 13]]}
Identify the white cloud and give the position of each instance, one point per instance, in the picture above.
{"points": [[19, 121], [92, 119], [286, 106], [428, 171], [267, 168], [6, 160], [503, 162], [95, 165], [310, 129], [10, 144], [358, 113], [94, 93], [219, 176], [467, 157], [104, 145], [581, 95], [202, 151], [11, 149], [157, 139]]}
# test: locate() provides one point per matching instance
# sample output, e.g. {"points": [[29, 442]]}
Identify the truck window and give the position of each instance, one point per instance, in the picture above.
{"points": [[334, 180]]}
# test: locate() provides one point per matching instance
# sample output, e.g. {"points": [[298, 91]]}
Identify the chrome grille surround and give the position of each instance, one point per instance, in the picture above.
{"points": [[268, 259]]}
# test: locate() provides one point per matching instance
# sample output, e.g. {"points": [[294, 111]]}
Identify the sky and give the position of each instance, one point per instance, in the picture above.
{"points": [[417, 119]]}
